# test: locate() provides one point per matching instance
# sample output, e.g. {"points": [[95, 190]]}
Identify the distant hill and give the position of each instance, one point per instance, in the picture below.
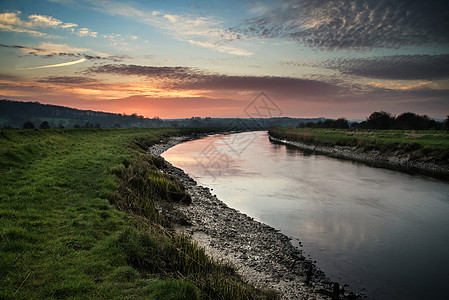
{"points": [[14, 114]]}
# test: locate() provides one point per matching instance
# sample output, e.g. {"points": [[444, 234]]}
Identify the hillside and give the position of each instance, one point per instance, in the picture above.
{"points": [[14, 114]]}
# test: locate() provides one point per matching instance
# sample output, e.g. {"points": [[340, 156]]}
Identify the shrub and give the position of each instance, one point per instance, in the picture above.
{"points": [[44, 125], [28, 125]]}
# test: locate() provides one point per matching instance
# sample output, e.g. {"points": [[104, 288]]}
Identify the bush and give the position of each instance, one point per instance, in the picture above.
{"points": [[28, 125], [44, 125]]}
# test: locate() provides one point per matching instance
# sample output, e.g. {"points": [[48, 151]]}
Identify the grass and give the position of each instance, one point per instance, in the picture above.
{"points": [[431, 145], [78, 220]]}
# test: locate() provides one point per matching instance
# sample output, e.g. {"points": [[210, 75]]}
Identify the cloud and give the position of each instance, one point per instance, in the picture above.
{"points": [[49, 50], [14, 47], [57, 65], [12, 18], [222, 48], [396, 67], [76, 80], [12, 22], [44, 21], [206, 32], [185, 78], [10, 28], [86, 32], [68, 25], [9, 77], [353, 24], [53, 49], [120, 40], [33, 21], [180, 87], [174, 73]]}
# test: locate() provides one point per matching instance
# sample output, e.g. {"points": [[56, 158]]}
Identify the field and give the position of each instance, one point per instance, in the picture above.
{"points": [[78, 220], [432, 144]]}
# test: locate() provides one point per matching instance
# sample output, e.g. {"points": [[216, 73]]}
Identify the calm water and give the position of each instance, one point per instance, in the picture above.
{"points": [[383, 232]]}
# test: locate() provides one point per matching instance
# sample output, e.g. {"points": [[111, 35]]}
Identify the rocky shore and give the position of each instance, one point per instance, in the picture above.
{"points": [[401, 162], [261, 254]]}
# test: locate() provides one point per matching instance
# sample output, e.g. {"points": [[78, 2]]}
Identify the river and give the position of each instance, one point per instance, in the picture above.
{"points": [[382, 232]]}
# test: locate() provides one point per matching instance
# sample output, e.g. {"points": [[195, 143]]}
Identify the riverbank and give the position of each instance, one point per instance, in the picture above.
{"points": [[261, 255], [413, 155], [79, 219]]}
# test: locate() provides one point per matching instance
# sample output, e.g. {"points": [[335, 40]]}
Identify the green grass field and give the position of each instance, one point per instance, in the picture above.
{"points": [[433, 144], [63, 236]]}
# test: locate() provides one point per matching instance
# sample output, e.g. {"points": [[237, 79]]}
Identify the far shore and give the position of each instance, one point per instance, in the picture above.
{"points": [[372, 158]]}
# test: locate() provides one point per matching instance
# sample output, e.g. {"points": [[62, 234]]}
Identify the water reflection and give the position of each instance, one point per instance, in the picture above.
{"points": [[369, 227]]}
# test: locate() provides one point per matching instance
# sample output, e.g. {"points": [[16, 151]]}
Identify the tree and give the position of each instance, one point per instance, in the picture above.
{"points": [[44, 125], [28, 125], [380, 120], [446, 124], [412, 121], [341, 123]]}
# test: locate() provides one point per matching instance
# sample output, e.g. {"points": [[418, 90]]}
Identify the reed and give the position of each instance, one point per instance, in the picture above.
{"points": [[141, 187]]}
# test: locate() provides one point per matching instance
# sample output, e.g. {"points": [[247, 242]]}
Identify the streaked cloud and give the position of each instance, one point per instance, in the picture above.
{"points": [[353, 24], [321, 90], [57, 65], [396, 67], [205, 32], [185, 78], [68, 25], [172, 73], [220, 47], [11, 28], [49, 50], [68, 80], [337, 56], [53, 49]]}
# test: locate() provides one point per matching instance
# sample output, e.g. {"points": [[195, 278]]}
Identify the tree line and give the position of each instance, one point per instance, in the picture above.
{"points": [[29, 115], [384, 120]]}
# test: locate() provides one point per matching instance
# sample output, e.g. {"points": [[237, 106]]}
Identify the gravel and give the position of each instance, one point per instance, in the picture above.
{"points": [[261, 254]]}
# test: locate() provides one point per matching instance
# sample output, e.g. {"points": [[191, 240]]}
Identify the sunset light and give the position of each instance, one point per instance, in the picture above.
{"points": [[336, 59], [224, 149]]}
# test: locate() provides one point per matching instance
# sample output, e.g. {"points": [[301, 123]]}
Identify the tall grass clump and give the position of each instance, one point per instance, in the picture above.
{"points": [[156, 248], [141, 185]]}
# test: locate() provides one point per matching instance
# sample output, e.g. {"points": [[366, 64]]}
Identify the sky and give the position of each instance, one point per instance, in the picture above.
{"points": [[206, 58]]}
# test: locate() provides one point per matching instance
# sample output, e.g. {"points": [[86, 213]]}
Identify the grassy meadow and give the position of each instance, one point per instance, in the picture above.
{"points": [[78, 220], [419, 144]]}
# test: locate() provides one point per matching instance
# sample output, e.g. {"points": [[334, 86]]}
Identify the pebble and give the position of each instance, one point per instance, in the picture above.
{"points": [[261, 254]]}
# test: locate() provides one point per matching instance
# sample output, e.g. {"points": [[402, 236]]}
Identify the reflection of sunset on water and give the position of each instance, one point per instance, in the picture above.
{"points": [[372, 228]]}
